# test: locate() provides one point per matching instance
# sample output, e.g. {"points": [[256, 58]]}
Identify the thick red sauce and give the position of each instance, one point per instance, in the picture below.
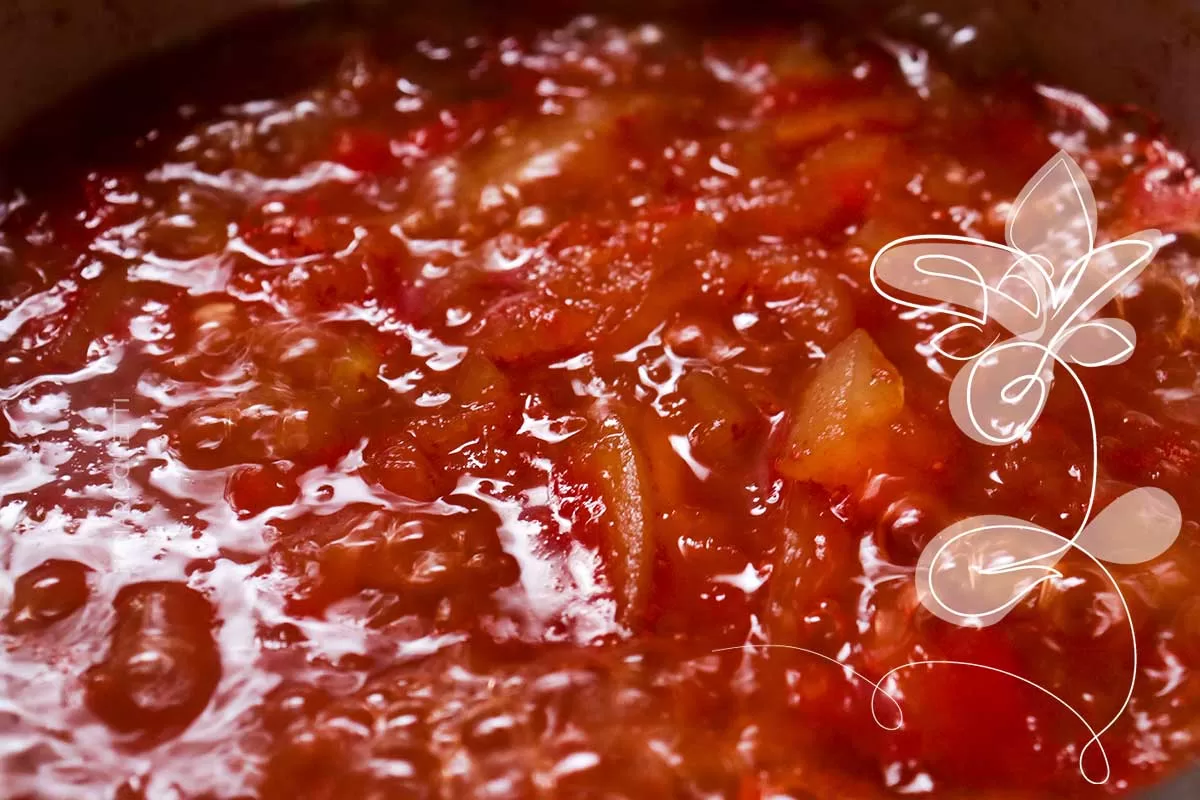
{"points": [[424, 421]]}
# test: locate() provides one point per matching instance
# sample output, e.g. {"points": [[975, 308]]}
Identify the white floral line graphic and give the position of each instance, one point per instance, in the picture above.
{"points": [[1042, 286], [877, 686], [977, 570]]}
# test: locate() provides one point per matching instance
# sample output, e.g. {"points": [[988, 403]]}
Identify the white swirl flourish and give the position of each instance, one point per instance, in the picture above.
{"points": [[977, 570]]}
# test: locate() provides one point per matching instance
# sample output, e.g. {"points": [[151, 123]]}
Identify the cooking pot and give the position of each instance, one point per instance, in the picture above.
{"points": [[1145, 53]]}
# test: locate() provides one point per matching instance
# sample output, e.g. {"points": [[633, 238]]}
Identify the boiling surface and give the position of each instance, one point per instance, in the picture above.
{"points": [[425, 407]]}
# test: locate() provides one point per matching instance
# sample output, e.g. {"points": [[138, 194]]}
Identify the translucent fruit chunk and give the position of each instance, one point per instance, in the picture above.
{"points": [[839, 426], [620, 472]]}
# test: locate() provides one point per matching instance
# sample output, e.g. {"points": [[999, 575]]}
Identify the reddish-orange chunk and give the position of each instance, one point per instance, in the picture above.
{"points": [[49, 592], [814, 561], [727, 425], [798, 128], [162, 664], [527, 327], [425, 560], [253, 488], [259, 426], [397, 463]]}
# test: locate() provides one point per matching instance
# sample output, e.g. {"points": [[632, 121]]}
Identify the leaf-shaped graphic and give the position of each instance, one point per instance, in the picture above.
{"points": [[975, 571], [1138, 526], [982, 281], [1044, 286], [997, 397], [1054, 216], [1100, 275], [1097, 343]]}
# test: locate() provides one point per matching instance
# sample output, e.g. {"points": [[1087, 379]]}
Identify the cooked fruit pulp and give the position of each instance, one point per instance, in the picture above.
{"points": [[483, 407]]}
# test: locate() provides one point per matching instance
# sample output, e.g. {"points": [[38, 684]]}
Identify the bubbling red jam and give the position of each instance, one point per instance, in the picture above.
{"points": [[441, 406]]}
